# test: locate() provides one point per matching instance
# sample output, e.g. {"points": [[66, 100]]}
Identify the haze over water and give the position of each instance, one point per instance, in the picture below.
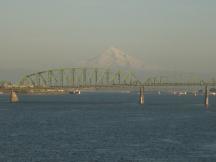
{"points": [[107, 127]]}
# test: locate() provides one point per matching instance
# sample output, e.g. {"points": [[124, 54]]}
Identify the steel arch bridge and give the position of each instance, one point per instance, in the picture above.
{"points": [[79, 77]]}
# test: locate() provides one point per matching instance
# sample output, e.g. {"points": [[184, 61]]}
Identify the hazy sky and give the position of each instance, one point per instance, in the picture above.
{"points": [[42, 34]]}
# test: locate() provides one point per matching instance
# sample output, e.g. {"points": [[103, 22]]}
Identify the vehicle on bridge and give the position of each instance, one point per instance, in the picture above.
{"points": [[75, 92]]}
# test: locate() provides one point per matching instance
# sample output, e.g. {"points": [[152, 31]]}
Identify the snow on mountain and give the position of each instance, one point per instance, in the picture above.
{"points": [[115, 58]]}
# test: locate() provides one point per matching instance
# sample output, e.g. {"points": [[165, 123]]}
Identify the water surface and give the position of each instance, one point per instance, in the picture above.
{"points": [[107, 127]]}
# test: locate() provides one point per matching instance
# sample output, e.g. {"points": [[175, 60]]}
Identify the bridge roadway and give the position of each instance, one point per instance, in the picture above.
{"points": [[23, 89], [14, 90]]}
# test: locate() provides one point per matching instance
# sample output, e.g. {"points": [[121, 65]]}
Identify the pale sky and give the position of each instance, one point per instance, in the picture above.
{"points": [[42, 34]]}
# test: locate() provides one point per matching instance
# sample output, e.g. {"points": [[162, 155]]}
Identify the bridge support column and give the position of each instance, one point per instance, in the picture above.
{"points": [[206, 102], [141, 97], [13, 97]]}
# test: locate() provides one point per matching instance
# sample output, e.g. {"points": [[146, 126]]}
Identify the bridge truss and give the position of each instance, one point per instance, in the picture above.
{"points": [[98, 77], [79, 77]]}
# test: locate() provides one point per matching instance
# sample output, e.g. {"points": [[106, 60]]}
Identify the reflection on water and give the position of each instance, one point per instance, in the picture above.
{"points": [[107, 127]]}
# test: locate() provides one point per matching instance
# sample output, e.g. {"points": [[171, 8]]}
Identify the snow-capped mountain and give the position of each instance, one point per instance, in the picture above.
{"points": [[115, 58]]}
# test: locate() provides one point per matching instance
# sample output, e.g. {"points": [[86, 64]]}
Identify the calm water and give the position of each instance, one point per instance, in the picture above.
{"points": [[108, 127]]}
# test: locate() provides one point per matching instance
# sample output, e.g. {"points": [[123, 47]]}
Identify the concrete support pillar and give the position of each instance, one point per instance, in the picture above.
{"points": [[13, 97], [141, 97], [206, 102]]}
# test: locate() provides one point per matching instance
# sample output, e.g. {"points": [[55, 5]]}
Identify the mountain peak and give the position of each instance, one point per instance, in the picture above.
{"points": [[115, 52], [115, 58]]}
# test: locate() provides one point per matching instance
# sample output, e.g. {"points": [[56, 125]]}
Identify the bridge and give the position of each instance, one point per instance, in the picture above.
{"points": [[97, 77], [79, 78]]}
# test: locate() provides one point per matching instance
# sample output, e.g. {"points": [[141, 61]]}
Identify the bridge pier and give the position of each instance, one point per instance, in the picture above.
{"points": [[206, 102], [141, 97], [13, 97]]}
